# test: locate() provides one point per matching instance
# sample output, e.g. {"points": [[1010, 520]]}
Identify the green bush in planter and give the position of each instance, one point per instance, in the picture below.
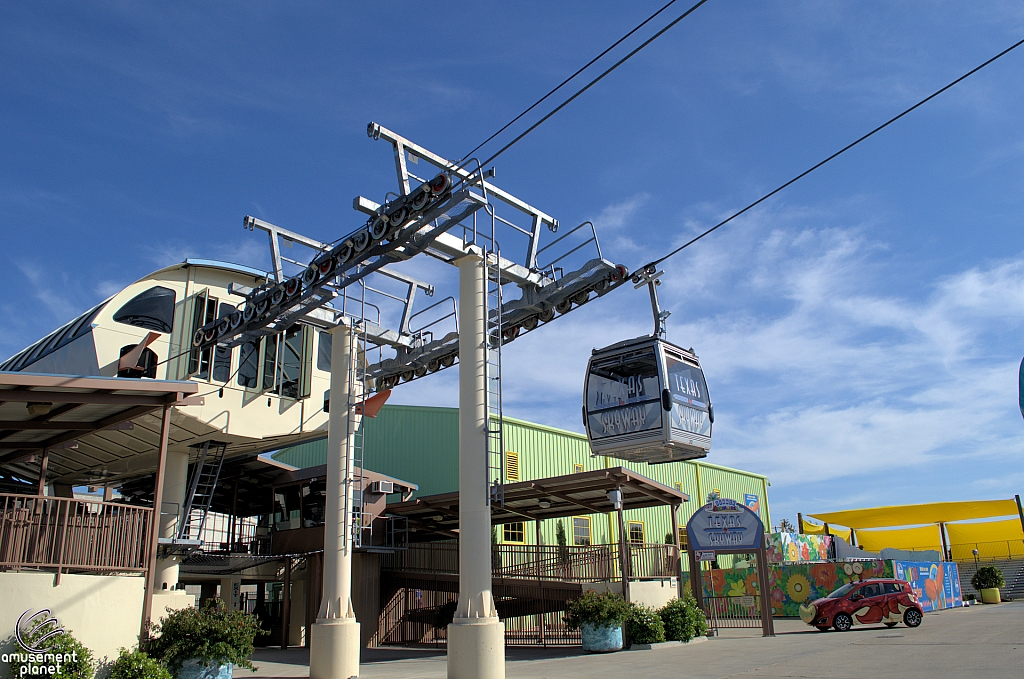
{"points": [[210, 634], [80, 665], [987, 577], [683, 619], [607, 609], [137, 665], [644, 625]]}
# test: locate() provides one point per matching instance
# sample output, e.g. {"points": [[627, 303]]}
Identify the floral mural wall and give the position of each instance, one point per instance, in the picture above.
{"points": [[795, 547]]}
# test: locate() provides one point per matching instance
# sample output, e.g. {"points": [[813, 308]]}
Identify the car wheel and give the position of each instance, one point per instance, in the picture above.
{"points": [[842, 622], [913, 617], [890, 624]]}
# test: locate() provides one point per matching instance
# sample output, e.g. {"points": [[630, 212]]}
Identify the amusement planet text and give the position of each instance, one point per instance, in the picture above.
{"points": [[35, 664]]}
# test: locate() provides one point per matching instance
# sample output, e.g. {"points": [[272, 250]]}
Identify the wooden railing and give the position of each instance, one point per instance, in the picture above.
{"points": [[72, 535], [590, 563]]}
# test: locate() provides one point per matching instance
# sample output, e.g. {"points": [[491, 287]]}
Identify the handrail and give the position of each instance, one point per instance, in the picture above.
{"points": [[71, 534]]}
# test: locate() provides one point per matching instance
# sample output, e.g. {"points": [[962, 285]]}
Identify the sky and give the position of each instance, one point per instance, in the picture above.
{"points": [[860, 332]]}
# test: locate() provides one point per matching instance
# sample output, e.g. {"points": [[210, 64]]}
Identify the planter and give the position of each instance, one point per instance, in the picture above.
{"points": [[602, 639], [198, 669], [990, 595]]}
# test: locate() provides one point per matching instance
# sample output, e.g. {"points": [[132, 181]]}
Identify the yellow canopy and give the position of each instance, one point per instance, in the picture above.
{"points": [[925, 537], [819, 529], [912, 515], [992, 539]]}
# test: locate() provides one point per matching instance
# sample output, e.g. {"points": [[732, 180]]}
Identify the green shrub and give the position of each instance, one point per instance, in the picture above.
{"points": [[137, 665], [644, 625], [210, 634], [79, 663], [683, 619], [600, 610], [987, 577]]}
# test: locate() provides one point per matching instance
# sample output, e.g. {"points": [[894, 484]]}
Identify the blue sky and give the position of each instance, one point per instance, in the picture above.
{"points": [[860, 332]]}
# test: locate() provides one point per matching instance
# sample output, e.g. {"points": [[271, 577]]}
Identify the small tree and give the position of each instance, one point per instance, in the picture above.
{"points": [[683, 619], [211, 635], [644, 625], [987, 577], [82, 666], [786, 527], [137, 665]]}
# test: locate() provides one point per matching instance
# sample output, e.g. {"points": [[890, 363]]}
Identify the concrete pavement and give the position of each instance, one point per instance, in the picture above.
{"points": [[981, 641]]}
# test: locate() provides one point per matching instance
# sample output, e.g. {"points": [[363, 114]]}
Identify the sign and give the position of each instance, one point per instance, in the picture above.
{"points": [[705, 556], [753, 502], [725, 525]]}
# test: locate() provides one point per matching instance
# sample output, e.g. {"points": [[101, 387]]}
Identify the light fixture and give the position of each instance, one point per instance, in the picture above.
{"points": [[544, 504], [615, 497], [39, 408]]}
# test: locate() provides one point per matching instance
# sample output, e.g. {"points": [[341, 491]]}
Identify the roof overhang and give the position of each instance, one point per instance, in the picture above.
{"points": [[551, 498], [68, 417]]}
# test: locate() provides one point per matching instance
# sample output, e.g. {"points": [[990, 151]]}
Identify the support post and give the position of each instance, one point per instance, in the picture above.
{"points": [[624, 560], [43, 464], [800, 522], [696, 581], [476, 637], [286, 602], [334, 638], [765, 593], [1020, 511], [945, 544], [154, 519], [673, 512]]}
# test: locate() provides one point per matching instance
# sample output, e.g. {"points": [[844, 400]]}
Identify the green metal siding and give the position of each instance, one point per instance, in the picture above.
{"points": [[420, 444]]}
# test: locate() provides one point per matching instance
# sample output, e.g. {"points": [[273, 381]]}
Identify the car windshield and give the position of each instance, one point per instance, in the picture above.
{"points": [[842, 591]]}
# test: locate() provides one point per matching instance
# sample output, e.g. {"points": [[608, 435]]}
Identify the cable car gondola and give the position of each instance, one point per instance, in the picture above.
{"points": [[645, 399]]}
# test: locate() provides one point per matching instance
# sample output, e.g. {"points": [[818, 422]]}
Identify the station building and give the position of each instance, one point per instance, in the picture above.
{"points": [[117, 400]]}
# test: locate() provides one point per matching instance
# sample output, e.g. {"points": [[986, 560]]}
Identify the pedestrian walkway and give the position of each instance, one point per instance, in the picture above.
{"points": [[967, 642]]}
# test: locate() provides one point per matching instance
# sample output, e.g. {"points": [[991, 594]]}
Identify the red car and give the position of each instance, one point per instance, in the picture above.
{"points": [[865, 603]]}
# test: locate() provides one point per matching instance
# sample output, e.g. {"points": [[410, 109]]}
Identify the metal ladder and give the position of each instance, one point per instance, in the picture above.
{"points": [[201, 487], [355, 431], [492, 346]]}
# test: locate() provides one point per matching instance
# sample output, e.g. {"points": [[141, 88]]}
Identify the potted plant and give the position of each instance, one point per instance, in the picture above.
{"points": [[206, 642], [987, 581], [599, 617]]}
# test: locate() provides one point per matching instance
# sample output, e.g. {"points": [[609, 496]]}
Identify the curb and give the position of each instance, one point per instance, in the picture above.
{"points": [[666, 644]]}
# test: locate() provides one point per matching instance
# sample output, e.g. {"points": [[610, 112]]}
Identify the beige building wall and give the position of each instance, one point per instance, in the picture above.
{"points": [[104, 612]]}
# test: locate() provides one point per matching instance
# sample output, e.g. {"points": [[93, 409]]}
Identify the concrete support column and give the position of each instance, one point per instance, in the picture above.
{"points": [[175, 486], [334, 639], [476, 637], [231, 592]]}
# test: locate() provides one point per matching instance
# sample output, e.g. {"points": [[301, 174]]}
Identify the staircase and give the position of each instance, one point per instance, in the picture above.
{"points": [[1012, 570]]}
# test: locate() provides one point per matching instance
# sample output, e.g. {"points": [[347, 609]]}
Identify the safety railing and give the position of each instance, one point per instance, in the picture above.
{"points": [[65, 534], [988, 551], [586, 563]]}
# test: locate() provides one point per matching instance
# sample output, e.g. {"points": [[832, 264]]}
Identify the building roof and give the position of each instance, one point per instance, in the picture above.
{"points": [[85, 423], [551, 498]]}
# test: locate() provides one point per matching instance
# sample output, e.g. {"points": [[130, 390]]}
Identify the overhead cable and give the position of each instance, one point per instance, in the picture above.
{"points": [[567, 80], [838, 153], [595, 80]]}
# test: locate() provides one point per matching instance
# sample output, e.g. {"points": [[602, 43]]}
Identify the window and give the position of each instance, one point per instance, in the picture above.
{"points": [[891, 588], [222, 355], [636, 532], [514, 532], [278, 363], [871, 589], [313, 497], [248, 364], [512, 466], [152, 310], [287, 503], [323, 351], [577, 468], [581, 531], [204, 310]]}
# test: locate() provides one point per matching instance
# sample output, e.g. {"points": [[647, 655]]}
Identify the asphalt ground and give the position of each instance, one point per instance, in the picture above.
{"points": [[980, 641]]}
